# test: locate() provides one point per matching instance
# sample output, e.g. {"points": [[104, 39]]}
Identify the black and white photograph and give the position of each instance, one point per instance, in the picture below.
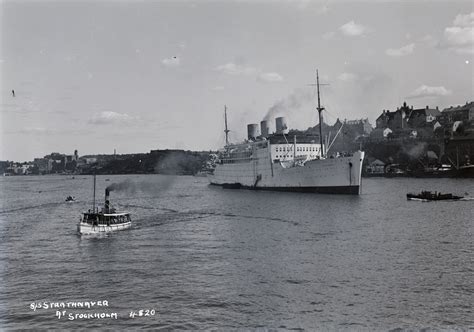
{"points": [[237, 165]]}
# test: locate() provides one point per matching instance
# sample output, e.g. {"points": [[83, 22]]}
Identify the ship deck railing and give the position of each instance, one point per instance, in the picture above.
{"points": [[107, 218], [235, 160]]}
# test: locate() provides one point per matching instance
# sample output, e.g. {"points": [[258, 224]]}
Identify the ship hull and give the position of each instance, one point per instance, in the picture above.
{"points": [[86, 228], [330, 176], [346, 190]]}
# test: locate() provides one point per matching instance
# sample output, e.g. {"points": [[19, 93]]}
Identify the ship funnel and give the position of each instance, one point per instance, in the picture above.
{"points": [[252, 131], [264, 128], [281, 126], [107, 202]]}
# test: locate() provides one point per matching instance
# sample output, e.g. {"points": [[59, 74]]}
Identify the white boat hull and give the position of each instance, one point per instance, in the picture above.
{"points": [[340, 175], [86, 228]]}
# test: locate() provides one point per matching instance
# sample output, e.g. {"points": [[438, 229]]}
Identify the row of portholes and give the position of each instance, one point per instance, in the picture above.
{"points": [[299, 148]]}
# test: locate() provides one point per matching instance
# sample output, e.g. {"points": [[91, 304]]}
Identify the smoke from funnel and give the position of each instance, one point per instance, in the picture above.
{"points": [[179, 162], [416, 151], [107, 202], [294, 101], [161, 184]]}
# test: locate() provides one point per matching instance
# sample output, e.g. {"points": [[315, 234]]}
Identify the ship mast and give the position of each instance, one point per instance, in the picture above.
{"points": [[226, 131], [320, 110], [93, 200]]}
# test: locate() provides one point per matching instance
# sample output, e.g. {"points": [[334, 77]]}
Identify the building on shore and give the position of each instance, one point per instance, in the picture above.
{"points": [[464, 113]]}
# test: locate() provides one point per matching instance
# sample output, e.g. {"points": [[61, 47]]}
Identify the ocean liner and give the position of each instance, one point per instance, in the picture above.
{"points": [[286, 163]]}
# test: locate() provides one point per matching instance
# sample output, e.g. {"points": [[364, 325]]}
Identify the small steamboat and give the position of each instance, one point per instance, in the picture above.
{"points": [[106, 220], [427, 196]]}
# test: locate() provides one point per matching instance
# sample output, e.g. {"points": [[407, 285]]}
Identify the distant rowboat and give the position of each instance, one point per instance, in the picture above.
{"points": [[70, 199]]}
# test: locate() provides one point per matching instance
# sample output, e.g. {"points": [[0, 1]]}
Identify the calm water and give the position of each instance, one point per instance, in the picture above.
{"points": [[204, 257]]}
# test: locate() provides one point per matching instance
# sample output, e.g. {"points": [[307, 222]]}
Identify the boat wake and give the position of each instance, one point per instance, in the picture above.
{"points": [[294, 223], [31, 207], [174, 216], [444, 200], [147, 207]]}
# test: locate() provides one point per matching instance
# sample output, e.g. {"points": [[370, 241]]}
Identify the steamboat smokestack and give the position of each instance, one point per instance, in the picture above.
{"points": [[281, 126], [107, 202], [264, 128], [252, 131]]}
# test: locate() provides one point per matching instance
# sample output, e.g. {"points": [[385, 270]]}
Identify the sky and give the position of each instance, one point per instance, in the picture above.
{"points": [[138, 75]]}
